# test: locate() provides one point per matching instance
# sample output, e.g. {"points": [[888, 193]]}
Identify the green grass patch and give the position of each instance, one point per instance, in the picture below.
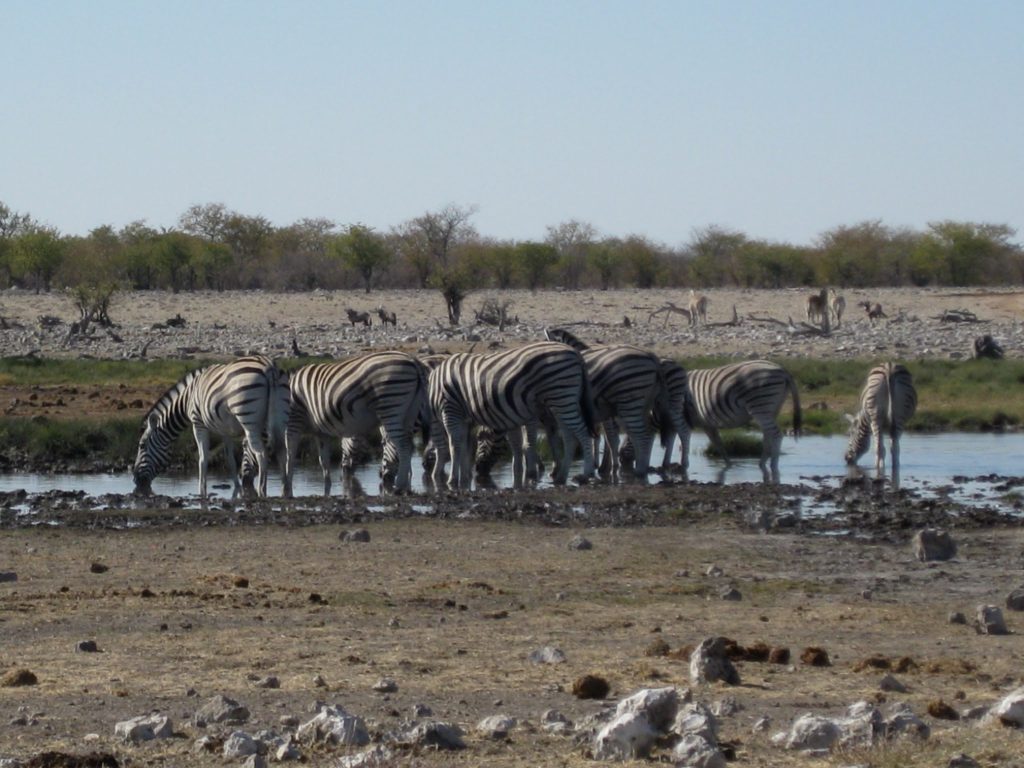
{"points": [[738, 444], [31, 371]]}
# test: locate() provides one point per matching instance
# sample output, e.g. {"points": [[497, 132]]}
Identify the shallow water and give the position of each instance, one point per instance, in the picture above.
{"points": [[928, 464]]}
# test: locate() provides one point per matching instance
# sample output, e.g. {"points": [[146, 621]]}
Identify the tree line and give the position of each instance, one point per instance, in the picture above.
{"points": [[215, 248]]}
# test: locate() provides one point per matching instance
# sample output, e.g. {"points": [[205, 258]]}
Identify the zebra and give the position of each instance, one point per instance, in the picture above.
{"points": [[506, 392], [628, 383], [228, 400], [737, 394], [887, 402], [351, 397], [677, 383]]}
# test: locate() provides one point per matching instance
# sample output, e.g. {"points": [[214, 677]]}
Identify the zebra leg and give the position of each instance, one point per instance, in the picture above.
{"points": [[611, 445], [895, 451], [291, 450], [515, 441], [458, 451], [635, 423], [401, 440], [879, 449], [323, 447], [771, 447], [232, 462], [202, 435], [716, 442], [532, 460], [254, 440]]}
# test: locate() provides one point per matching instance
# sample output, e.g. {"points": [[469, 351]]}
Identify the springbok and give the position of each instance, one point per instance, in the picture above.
{"points": [[698, 308]]}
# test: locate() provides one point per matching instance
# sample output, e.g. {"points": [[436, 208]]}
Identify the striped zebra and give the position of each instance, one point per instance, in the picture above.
{"points": [[352, 397], [628, 384], [508, 393], [887, 403], [738, 394], [227, 400]]}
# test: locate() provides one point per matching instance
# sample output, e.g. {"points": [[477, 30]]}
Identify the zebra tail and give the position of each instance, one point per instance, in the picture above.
{"points": [[798, 418], [276, 417], [587, 408], [890, 380], [426, 412], [666, 427]]}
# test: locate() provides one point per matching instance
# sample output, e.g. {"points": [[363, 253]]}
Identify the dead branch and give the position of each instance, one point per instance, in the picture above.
{"points": [[957, 316], [670, 309]]}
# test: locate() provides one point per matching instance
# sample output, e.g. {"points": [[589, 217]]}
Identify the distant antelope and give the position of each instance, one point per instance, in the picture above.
{"points": [[872, 309], [386, 317], [698, 308], [837, 306], [358, 317], [817, 307]]}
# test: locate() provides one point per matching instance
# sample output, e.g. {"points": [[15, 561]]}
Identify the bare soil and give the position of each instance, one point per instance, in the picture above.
{"points": [[453, 592]]}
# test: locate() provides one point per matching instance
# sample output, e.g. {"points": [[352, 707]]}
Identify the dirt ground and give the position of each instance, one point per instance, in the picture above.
{"points": [[452, 594]]}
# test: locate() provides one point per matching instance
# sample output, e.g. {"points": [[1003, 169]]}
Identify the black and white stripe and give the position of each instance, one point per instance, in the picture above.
{"points": [[352, 397], [735, 395], [228, 400], [887, 402], [508, 392]]}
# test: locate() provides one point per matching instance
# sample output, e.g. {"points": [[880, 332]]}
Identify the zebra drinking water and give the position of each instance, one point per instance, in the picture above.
{"points": [[736, 395], [507, 392], [887, 402], [352, 397], [226, 400]]}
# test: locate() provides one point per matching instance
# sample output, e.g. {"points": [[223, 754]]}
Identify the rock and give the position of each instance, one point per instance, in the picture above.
{"points": [[714, 572], [270, 681], [695, 719], [255, 761], [694, 751], [378, 756], [86, 646], [579, 542], [421, 710], [385, 685], [554, 721], [207, 743], [434, 734], [590, 687], [730, 593], [333, 725], [240, 744], [709, 663], [1015, 600], [221, 709], [902, 720], [812, 733], [956, 617], [628, 736], [990, 620], [8, 576], [547, 655], [962, 761], [942, 711], [98, 568], [762, 724], [144, 728], [17, 678], [360, 535], [658, 705], [1010, 710], [496, 726], [934, 544], [319, 681], [861, 727], [288, 750], [891, 684]]}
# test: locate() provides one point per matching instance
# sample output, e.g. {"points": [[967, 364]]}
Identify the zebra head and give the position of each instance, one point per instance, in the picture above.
{"points": [[860, 438], [148, 456]]}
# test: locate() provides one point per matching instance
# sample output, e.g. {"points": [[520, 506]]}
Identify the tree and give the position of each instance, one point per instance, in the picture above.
{"points": [[208, 221], [38, 256], [535, 260], [364, 251], [715, 254], [967, 253], [607, 261], [572, 240], [11, 226], [643, 259]]}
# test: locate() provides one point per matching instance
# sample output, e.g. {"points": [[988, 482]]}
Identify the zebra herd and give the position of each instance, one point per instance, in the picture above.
{"points": [[573, 391]]}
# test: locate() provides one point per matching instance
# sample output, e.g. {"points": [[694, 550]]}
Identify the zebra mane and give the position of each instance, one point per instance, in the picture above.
{"points": [[565, 337], [168, 402]]}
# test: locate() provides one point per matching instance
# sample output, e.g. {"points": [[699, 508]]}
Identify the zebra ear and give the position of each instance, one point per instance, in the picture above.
{"points": [[849, 418]]}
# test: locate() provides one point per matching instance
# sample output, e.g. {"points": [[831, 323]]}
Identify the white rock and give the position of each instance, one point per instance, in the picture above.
{"points": [[376, 757], [626, 737], [554, 721], [434, 734], [696, 720], [862, 726], [496, 726], [658, 705], [333, 725], [547, 655], [694, 751], [812, 732], [144, 728], [240, 744], [1010, 710], [709, 663], [902, 721]]}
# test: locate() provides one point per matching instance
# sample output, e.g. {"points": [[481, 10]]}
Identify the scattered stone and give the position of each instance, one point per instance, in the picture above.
{"points": [[934, 544], [942, 711], [270, 681], [360, 535], [144, 728], [289, 750], [812, 733], [98, 568], [590, 687], [255, 761], [990, 620], [815, 657], [319, 681], [695, 719], [902, 720], [714, 571], [1014, 600], [657, 705], [726, 707], [378, 756], [221, 709], [628, 736], [709, 663], [240, 744], [579, 542], [8, 576], [207, 743], [554, 721], [730, 593], [19, 677], [549, 654], [496, 726], [956, 617], [890, 684], [434, 734], [693, 751], [962, 761], [1010, 711], [333, 725], [86, 646], [421, 710], [762, 724], [385, 685]]}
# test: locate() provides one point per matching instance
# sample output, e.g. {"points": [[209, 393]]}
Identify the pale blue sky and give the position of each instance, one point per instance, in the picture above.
{"points": [[778, 118]]}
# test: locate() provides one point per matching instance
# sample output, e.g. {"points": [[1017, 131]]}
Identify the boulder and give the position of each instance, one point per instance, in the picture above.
{"points": [[934, 544], [333, 725], [434, 734], [695, 719], [547, 655], [580, 542], [144, 728], [378, 756], [496, 726], [221, 709], [658, 705], [628, 736], [901, 721], [990, 620], [813, 733], [1010, 710], [890, 684], [709, 663], [240, 744], [1015, 600], [695, 751], [554, 721]]}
